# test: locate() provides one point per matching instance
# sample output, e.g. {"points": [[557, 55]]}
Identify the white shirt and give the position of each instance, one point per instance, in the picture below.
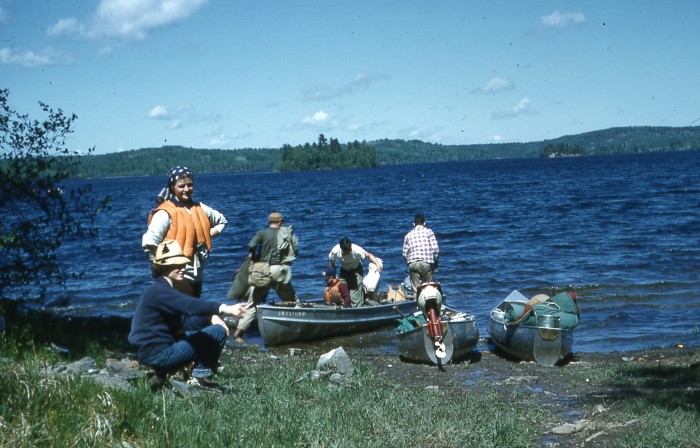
{"points": [[351, 260]]}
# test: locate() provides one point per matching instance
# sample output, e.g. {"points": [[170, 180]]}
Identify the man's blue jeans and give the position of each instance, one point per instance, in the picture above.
{"points": [[203, 347]]}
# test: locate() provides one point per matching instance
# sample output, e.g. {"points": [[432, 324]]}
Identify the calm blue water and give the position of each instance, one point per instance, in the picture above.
{"points": [[621, 231]]}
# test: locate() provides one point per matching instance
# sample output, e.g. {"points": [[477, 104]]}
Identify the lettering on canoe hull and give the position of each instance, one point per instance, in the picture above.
{"points": [[291, 313]]}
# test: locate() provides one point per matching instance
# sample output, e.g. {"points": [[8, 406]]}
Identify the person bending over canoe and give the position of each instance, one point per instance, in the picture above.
{"points": [[350, 256], [163, 313]]}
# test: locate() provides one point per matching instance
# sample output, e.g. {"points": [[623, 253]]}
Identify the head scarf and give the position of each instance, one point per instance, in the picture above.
{"points": [[178, 172]]}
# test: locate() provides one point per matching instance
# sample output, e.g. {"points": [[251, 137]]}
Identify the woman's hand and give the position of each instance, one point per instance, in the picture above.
{"points": [[234, 310], [216, 320]]}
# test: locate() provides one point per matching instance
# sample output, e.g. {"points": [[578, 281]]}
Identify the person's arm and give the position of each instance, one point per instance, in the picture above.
{"points": [[406, 248], [234, 310], [436, 251], [217, 220], [155, 234], [331, 258], [377, 262], [253, 245]]}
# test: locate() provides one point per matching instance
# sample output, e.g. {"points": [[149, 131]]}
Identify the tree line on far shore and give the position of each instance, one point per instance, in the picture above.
{"points": [[330, 153]]}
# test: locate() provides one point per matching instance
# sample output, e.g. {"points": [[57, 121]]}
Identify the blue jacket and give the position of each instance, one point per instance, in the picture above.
{"points": [[159, 316]]}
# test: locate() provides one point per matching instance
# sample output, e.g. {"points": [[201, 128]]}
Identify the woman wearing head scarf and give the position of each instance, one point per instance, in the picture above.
{"points": [[158, 328], [192, 224]]}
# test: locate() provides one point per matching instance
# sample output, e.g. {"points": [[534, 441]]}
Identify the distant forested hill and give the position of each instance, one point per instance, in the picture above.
{"points": [[608, 141], [155, 161]]}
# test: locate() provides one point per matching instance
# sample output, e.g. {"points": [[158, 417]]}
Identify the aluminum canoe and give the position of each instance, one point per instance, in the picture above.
{"points": [[460, 335], [285, 323], [542, 344]]}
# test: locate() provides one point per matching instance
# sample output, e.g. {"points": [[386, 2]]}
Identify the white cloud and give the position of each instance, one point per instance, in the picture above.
{"points": [[431, 134], [317, 118], [521, 108], [223, 140], [176, 124], [175, 118], [220, 140], [496, 85], [562, 20], [360, 83], [496, 138], [317, 93], [32, 59], [128, 19], [106, 50], [69, 26], [159, 113]]}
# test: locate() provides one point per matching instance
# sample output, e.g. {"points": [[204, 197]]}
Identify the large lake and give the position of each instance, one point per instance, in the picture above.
{"points": [[623, 232]]}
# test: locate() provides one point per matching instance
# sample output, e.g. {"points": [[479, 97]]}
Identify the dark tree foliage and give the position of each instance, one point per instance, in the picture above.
{"points": [[635, 139], [39, 213], [327, 156], [157, 161]]}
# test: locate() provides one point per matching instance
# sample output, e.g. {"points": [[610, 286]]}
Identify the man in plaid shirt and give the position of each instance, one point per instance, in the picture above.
{"points": [[420, 250]]}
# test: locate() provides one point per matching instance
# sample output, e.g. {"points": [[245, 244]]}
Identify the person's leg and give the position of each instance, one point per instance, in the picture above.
{"points": [[426, 272], [414, 276], [357, 295], [282, 281], [208, 344], [172, 358], [256, 295], [420, 272]]}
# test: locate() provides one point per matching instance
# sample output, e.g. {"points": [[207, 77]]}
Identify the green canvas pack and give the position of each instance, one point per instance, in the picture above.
{"points": [[514, 312], [239, 287], [410, 322], [286, 244]]}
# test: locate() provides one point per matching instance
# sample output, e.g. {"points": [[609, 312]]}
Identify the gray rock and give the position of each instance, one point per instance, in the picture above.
{"points": [[337, 361], [570, 428]]}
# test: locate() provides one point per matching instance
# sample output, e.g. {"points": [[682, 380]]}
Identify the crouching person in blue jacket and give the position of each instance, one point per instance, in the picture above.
{"points": [[162, 315]]}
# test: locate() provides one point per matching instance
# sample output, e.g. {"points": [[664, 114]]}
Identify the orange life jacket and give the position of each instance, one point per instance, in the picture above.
{"points": [[332, 295], [189, 227]]}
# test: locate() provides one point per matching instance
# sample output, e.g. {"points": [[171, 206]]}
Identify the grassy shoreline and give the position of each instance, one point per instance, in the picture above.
{"points": [[646, 398]]}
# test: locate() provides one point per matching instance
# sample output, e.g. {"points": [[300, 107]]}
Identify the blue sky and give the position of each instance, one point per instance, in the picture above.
{"points": [[252, 74]]}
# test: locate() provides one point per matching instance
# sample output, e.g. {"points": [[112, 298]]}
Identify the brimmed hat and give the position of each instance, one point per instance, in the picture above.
{"points": [[169, 253], [275, 217], [329, 274]]}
